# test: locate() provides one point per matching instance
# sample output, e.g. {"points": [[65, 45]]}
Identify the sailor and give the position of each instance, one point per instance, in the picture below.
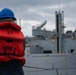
{"points": [[10, 64]]}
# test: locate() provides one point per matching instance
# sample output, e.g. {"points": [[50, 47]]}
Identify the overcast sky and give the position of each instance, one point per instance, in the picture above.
{"points": [[34, 12]]}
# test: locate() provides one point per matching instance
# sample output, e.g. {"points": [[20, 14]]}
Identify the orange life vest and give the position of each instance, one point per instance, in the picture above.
{"points": [[11, 42]]}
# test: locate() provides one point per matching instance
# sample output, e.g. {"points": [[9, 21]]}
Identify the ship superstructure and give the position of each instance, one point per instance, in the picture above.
{"points": [[51, 52]]}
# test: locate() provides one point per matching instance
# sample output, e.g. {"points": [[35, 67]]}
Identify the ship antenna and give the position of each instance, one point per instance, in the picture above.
{"points": [[59, 6], [20, 21]]}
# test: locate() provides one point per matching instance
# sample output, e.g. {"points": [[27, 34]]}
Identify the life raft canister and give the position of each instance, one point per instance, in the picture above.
{"points": [[11, 42]]}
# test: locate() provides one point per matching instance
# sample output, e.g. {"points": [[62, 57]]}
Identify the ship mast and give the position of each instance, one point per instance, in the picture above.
{"points": [[59, 30]]}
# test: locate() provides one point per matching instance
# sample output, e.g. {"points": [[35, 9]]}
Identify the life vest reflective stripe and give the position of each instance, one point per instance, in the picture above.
{"points": [[11, 42]]}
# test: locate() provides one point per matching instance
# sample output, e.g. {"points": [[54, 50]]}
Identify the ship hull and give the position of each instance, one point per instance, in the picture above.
{"points": [[50, 64]]}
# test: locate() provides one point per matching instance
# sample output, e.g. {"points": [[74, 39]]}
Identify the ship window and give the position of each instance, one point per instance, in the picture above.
{"points": [[37, 45], [71, 50], [49, 51]]}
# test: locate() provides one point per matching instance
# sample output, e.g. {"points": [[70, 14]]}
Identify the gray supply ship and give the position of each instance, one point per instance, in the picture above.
{"points": [[51, 52]]}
